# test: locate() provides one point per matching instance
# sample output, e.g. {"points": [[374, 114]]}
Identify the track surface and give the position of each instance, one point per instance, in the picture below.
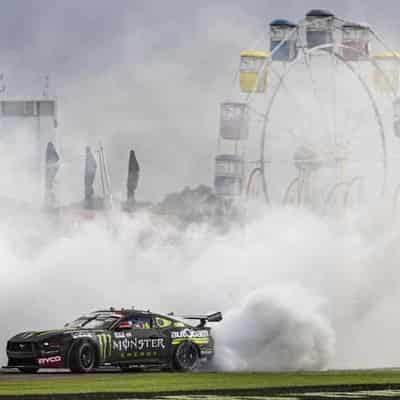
{"points": [[13, 375]]}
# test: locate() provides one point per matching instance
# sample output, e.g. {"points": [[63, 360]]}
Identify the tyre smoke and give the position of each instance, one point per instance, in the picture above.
{"points": [[297, 291], [276, 329]]}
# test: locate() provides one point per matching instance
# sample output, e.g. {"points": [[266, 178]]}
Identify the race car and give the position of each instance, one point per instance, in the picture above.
{"points": [[123, 338]]}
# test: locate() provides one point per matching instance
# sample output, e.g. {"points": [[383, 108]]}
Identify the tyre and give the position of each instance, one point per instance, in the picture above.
{"points": [[29, 370], [82, 358], [186, 357]]}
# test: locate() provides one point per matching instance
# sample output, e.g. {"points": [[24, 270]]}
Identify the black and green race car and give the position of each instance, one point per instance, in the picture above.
{"points": [[121, 338]]}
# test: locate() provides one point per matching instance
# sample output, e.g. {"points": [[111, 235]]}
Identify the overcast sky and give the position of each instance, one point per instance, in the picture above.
{"points": [[147, 74], [63, 36]]}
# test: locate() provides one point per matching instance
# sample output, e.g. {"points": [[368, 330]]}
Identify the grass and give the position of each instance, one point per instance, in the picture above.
{"points": [[175, 382]]}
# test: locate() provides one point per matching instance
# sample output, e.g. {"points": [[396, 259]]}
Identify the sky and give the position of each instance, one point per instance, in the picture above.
{"points": [[147, 75]]}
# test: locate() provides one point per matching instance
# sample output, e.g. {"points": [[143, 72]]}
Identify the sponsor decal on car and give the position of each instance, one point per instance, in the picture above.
{"points": [[163, 322], [131, 344], [105, 345], [55, 361], [198, 337], [189, 333], [139, 354]]}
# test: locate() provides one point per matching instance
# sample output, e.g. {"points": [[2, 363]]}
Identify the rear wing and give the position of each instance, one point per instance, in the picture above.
{"points": [[214, 317]]}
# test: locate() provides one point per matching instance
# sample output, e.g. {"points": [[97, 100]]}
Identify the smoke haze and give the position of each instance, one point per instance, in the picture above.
{"points": [[298, 291]]}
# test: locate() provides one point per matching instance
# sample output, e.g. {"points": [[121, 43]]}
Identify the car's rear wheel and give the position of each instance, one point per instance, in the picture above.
{"points": [[186, 357], [83, 357], [28, 370]]}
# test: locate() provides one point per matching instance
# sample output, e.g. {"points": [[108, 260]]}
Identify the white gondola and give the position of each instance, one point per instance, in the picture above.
{"points": [[283, 30], [320, 26], [234, 121], [356, 42], [228, 175]]}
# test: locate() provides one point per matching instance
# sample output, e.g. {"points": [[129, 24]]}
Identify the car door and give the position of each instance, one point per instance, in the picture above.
{"points": [[138, 341], [152, 344]]}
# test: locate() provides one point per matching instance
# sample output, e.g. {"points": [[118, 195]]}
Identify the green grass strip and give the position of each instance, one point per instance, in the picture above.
{"points": [[174, 382]]}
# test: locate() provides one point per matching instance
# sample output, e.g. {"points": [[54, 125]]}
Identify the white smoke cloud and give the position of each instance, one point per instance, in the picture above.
{"points": [[275, 329], [297, 290]]}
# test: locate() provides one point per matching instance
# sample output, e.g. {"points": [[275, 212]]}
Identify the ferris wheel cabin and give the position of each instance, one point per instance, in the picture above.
{"points": [[253, 71], [229, 166], [320, 27], [283, 42], [355, 40], [234, 121], [229, 175], [387, 79]]}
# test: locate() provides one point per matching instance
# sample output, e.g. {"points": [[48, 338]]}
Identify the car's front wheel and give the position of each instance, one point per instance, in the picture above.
{"points": [[28, 370], [83, 357], [186, 357]]}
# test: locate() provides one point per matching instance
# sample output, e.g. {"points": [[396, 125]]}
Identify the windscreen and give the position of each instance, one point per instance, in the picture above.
{"points": [[99, 321]]}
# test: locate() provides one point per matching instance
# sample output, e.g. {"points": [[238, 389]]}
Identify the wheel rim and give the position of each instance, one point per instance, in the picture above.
{"points": [[86, 357], [187, 356]]}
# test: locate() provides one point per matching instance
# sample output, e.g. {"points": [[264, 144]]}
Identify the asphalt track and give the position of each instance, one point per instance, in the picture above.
{"points": [[14, 375]]}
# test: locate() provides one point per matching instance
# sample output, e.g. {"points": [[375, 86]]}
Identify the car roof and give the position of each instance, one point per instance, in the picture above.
{"points": [[123, 313], [130, 312]]}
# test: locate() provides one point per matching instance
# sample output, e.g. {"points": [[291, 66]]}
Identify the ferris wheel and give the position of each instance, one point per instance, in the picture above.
{"points": [[315, 119]]}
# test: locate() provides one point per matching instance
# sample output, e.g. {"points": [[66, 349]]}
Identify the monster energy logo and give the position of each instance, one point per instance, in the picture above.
{"points": [[105, 345]]}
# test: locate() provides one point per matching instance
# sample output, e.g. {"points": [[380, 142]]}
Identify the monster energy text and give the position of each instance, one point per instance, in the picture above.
{"points": [[129, 344]]}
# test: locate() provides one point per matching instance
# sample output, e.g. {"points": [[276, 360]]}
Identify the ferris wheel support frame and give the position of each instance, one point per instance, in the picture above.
{"points": [[250, 179], [292, 184], [343, 184], [355, 180], [363, 83]]}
